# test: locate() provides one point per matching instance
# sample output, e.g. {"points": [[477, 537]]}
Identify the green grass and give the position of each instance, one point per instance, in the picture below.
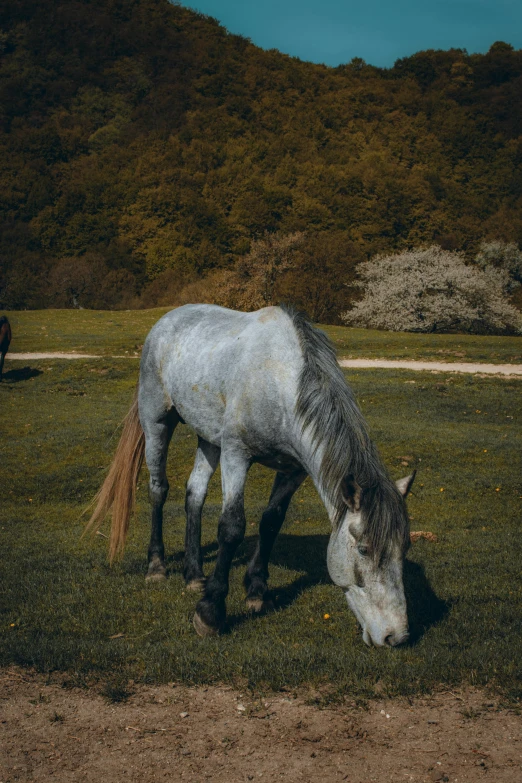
{"points": [[372, 344], [60, 603], [102, 332], [123, 332]]}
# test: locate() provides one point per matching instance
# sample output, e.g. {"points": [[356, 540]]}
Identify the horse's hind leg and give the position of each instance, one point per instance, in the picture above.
{"points": [[205, 464], [157, 438], [256, 577], [2, 357]]}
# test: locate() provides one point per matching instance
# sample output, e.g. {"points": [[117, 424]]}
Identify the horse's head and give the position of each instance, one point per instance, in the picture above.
{"points": [[365, 557]]}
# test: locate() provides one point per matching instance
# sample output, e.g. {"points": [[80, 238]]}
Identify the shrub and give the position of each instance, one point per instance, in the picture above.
{"points": [[250, 284], [164, 290], [432, 290], [73, 282], [86, 281], [317, 281], [253, 281], [505, 258], [209, 290]]}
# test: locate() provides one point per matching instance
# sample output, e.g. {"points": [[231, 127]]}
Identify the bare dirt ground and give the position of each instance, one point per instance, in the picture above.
{"points": [[51, 355], [466, 367], [171, 732]]}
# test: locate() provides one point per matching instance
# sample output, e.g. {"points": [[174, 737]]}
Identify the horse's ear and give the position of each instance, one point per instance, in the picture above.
{"points": [[351, 493], [404, 484]]}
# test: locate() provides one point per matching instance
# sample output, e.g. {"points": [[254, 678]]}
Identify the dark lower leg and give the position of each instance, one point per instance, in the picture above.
{"points": [[256, 577], [211, 610], [193, 561], [206, 462], [157, 438], [156, 553]]}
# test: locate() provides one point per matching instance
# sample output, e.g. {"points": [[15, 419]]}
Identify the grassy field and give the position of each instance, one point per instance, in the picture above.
{"points": [[62, 607], [123, 332]]}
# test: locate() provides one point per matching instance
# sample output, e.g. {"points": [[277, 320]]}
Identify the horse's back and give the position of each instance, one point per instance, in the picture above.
{"points": [[210, 338], [226, 370]]}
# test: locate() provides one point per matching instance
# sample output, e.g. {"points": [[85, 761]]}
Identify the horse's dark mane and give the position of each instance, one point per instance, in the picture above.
{"points": [[3, 320], [326, 405]]}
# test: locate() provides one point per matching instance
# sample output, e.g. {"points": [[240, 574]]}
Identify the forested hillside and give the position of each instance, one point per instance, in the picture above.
{"points": [[142, 147]]}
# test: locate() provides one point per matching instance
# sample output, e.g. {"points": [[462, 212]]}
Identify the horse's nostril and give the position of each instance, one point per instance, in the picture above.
{"points": [[393, 640]]}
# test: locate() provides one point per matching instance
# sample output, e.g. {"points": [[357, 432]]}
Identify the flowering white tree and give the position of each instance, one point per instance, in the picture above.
{"points": [[431, 290]]}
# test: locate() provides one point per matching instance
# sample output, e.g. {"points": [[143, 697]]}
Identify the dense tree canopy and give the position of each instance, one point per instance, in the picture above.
{"points": [[144, 140]]}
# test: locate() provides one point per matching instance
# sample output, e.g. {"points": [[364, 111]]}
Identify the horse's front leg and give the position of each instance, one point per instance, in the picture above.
{"points": [[210, 614], [256, 577], [205, 464]]}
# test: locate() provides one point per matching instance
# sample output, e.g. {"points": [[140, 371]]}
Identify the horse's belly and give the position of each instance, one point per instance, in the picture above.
{"points": [[283, 463]]}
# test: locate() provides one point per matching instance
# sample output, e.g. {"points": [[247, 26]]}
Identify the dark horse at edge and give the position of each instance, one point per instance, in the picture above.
{"points": [[5, 339]]}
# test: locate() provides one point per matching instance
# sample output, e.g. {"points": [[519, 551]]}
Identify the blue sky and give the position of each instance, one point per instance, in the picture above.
{"points": [[379, 31]]}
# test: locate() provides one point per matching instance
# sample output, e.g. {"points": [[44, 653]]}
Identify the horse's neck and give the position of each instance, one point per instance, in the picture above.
{"points": [[311, 459]]}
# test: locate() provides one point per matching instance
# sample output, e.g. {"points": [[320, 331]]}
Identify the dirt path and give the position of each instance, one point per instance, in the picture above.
{"points": [[388, 364], [466, 367], [58, 355], [48, 732]]}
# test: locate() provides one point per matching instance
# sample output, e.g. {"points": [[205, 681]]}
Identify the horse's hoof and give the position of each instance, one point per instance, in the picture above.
{"points": [[202, 629], [257, 605], [196, 585], [156, 576]]}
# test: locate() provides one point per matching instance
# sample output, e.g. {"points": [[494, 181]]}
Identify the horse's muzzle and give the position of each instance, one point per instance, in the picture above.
{"points": [[394, 639]]}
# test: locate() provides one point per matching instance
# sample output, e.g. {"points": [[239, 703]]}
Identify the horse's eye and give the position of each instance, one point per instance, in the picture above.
{"points": [[363, 550]]}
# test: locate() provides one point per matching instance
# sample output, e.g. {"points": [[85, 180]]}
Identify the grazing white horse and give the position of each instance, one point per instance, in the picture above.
{"points": [[261, 387]]}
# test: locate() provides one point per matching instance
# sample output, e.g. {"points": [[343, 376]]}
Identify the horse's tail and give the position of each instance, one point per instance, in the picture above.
{"points": [[118, 491]]}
